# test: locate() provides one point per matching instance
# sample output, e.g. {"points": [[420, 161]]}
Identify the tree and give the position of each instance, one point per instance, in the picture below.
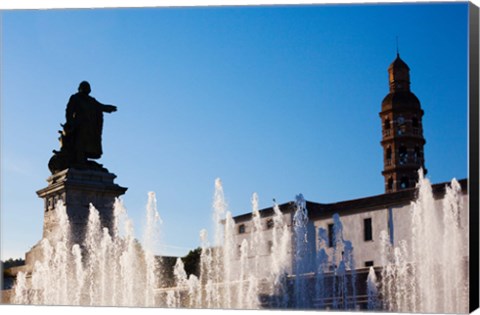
{"points": [[9, 263], [192, 262]]}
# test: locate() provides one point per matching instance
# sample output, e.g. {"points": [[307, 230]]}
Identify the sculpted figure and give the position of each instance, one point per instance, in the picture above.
{"points": [[81, 138]]}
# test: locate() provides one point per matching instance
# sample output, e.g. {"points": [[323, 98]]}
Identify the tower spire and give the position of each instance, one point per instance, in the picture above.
{"points": [[398, 52]]}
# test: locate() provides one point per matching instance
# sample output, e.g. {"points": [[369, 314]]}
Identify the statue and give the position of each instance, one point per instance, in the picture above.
{"points": [[81, 137]]}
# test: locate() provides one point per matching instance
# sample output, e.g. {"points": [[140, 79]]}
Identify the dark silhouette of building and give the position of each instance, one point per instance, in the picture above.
{"points": [[402, 131]]}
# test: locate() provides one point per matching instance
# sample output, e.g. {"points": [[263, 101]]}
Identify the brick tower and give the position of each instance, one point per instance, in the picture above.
{"points": [[402, 132]]}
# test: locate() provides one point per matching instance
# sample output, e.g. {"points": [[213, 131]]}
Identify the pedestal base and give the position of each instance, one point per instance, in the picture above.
{"points": [[78, 189]]}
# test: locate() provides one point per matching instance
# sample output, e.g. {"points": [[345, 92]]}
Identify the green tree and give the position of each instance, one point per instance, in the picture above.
{"points": [[9, 263], [192, 262]]}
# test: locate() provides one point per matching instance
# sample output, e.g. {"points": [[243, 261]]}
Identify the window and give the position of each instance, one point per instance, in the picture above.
{"points": [[270, 224], [369, 263], [387, 123], [388, 156], [330, 235], [418, 154], [390, 184], [403, 154], [415, 126], [367, 229], [404, 182], [387, 127], [241, 229], [415, 122], [270, 247], [401, 125]]}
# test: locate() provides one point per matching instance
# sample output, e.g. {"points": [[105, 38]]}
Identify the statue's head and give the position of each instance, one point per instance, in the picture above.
{"points": [[84, 87]]}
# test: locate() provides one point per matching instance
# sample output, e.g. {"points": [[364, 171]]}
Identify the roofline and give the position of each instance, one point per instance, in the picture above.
{"points": [[376, 202]]}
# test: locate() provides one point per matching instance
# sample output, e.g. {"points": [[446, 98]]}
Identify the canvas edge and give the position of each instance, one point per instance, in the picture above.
{"points": [[474, 156]]}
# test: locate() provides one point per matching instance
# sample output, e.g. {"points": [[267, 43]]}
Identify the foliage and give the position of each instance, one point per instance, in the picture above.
{"points": [[192, 262], [9, 263]]}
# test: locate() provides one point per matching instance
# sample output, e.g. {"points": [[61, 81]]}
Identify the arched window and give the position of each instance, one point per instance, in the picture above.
{"points": [[389, 153], [388, 156], [387, 123], [387, 126], [415, 122], [390, 184], [415, 125]]}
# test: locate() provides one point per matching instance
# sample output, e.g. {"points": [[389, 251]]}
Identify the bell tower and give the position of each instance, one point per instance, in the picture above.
{"points": [[402, 131]]}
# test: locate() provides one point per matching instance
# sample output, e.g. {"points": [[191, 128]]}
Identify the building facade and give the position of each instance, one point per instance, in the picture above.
{"points": [[414, 228]]}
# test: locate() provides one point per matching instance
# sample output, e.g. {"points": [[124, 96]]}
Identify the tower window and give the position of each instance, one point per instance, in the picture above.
{"points": [[387, 123], [417, 154], [415, 125], [387, 126], [404, 183], [369, 263], [415, 122], [330, 235], [390, 184], [367, 229], [401, 125], [403, 155], [388, 156]]}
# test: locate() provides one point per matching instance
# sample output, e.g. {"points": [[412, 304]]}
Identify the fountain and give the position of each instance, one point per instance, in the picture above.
{"points": [[433, 267], [372, 290], [303, 268], [99, 271]]}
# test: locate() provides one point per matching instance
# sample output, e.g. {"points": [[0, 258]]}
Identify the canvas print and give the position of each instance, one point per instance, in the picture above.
{"points": [[292, 157]]}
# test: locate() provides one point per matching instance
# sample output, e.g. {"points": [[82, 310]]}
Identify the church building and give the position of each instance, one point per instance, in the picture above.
{"points": [[377, 229]]}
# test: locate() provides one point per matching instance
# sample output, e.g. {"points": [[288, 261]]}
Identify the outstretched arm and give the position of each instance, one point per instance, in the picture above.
{"points": [[109, 108], [106, 108]]}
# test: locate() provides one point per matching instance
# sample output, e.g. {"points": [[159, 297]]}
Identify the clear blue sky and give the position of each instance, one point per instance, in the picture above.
{"points": [[275, 100]]}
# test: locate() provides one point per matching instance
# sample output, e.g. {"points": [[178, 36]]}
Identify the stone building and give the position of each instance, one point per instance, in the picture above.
{"points": [[377, 229]]}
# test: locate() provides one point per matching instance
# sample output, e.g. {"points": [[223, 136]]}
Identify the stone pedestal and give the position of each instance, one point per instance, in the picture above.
{"points": [[77, 189]]}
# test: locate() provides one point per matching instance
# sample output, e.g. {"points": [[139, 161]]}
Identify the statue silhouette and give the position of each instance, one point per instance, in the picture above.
{"points": [[81, 137]]}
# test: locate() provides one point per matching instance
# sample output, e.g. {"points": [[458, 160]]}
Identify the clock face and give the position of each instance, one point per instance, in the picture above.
{"points": [[401, 120]]}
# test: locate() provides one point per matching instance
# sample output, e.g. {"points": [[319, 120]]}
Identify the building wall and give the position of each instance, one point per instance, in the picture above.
{"points": [[260, 258], [353, 231], [364, 251]]}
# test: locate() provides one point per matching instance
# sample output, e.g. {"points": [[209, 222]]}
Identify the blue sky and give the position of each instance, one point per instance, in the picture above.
{"points": [[277, 100]]}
